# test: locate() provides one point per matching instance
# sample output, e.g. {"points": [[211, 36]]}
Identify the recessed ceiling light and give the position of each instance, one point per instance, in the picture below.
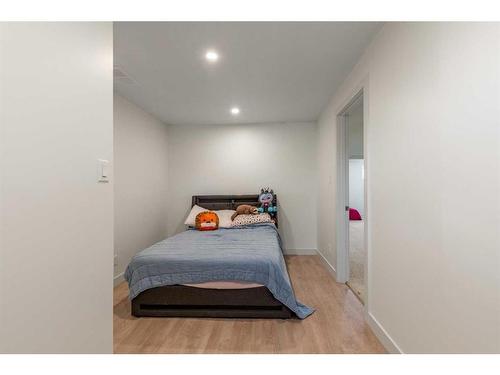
{"points": [[235, 111], [212, 56]]}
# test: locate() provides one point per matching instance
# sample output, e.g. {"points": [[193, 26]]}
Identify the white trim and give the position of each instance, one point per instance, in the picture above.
{"points": [[342, 201], [118, 279], [379, 331], [327, 265], [367, 170], [300, 251]]}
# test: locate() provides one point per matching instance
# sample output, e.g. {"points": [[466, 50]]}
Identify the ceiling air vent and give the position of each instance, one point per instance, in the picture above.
{"points": [[119, 75]]}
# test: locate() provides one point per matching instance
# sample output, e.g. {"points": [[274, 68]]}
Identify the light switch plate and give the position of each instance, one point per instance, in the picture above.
{"points": [[103, 170]]}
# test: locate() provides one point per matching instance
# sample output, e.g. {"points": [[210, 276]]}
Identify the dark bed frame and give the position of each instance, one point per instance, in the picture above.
{"points": [[186, 301]]}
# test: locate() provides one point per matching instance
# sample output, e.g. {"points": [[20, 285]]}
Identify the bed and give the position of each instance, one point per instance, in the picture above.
{"points": [[164, 279]]}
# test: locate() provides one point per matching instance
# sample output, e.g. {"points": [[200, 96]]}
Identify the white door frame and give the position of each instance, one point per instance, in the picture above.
{"points": [[343, 191]]}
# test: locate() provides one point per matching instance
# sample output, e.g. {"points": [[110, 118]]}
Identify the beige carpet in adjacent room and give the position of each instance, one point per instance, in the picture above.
{"points": [[357, 256]]}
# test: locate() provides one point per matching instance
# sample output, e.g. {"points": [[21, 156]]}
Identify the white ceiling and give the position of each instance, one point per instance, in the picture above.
{"points": [[274, 72]]}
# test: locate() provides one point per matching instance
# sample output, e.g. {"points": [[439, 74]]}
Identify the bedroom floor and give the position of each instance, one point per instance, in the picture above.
{"points": [[337, 326]]}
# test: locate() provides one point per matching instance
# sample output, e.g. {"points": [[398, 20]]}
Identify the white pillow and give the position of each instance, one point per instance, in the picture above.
{"points": [[224, 216], [190, 220]]}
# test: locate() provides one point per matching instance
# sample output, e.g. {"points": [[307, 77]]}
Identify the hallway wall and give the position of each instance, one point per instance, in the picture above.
{"points": [[432, 118]]}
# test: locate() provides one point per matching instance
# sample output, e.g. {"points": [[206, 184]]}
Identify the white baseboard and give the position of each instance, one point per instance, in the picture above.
{"points": [[328, 265], [300, 252], [376, 327], [382, 335], [118, 279]]}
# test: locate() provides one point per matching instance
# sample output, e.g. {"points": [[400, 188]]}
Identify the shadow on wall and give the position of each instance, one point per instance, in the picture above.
{"points": [[180, 227], [284, 224]]}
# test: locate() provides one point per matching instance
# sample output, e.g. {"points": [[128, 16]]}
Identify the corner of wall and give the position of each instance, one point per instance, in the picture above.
{"points": [[327, 264], [118, 279], [386, 340]]}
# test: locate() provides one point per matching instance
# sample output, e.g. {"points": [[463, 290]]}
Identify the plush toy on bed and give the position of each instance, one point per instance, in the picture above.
{"points": [[207, 220], [266, 198], [245, 209]]}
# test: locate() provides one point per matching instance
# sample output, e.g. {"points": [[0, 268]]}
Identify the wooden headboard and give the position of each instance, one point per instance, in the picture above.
{"points": [[228, 202]]}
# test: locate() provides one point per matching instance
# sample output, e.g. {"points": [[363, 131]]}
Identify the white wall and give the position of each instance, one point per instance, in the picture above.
{"points": [[432, 112], [240, 159], [56, 220], [141, 177]]}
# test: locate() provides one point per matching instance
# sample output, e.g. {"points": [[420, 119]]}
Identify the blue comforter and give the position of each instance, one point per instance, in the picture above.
{"points": [[250, 253]]}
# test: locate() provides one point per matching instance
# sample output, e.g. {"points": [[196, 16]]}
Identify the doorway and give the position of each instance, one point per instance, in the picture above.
{"points": [[352, 254]]}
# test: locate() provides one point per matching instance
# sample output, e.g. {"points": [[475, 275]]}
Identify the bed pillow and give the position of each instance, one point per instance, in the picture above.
{"points": [[195, 210], [251, 219], [224, 216]]}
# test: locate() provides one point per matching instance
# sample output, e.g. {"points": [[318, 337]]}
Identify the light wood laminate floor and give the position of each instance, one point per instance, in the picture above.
{"points": [[337, 326]]}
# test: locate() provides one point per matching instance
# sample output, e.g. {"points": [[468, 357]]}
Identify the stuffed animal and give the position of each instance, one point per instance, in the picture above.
{"points": [[207, 220], [245, 209], [266, 198]]}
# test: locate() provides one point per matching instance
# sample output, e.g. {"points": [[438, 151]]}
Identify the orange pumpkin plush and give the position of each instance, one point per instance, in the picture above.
{"points": [[207, 220]]}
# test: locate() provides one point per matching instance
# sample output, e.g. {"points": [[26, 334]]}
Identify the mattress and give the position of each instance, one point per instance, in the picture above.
{"points": [[225, 285]]}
